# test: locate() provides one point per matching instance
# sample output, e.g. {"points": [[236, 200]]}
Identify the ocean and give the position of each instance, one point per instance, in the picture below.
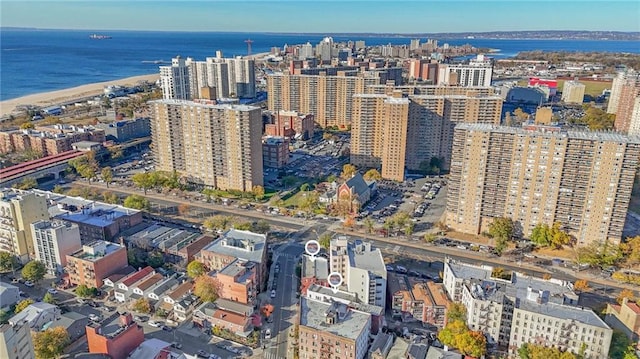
{"points": [[33, 61]]}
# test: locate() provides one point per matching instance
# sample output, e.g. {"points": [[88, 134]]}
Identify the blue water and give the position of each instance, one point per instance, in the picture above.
{"points": [[45, 60]]}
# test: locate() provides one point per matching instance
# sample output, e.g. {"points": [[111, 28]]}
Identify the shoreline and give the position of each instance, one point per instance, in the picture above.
{"points": [[43, 99]]}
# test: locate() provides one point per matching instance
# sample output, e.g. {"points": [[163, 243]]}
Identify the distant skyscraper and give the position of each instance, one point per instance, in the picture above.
{"points": [[573, 92], [323, 49], [477, 73], [541, 174], [415, 44], [174, 80], [629, 92], [306, 51], [386, 50], [214, 145], [616, 88]]}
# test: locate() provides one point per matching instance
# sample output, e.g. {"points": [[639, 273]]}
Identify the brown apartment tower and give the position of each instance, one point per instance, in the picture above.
{"points": [[541, 174], [401, 129], [213, 145]]}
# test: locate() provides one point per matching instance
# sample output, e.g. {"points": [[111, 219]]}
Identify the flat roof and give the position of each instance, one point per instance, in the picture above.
{"points": [[235, 243], [363, 255], [318, 268], [233, 107], [92, 256], [313, 315], [583, 315]]}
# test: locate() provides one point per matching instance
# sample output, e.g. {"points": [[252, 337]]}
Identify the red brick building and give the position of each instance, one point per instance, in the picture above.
{"points": [[116, 339], [96, 261]]}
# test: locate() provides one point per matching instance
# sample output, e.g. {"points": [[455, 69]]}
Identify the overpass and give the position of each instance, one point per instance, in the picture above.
{"points": [[43, 167]]}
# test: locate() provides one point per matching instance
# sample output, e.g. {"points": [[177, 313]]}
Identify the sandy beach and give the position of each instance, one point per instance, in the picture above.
{"points": [[59, 96]]}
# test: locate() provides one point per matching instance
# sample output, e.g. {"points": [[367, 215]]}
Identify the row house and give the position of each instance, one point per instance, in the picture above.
{"points": [[179, 302], [125, 287], [209, 315]]}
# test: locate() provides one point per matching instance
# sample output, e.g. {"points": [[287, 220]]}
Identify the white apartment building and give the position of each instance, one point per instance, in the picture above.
{"points": [[477, 73], [362, 268], [174, 80], [52, 241], [305, 51], [15, 341], [522, 309]]}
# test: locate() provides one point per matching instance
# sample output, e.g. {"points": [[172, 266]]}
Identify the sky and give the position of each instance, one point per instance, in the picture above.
{"points": [[323, 16]]}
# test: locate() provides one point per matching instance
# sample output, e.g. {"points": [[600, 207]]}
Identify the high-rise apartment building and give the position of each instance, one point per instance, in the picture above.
{"points": [[634, 123], [18, 209], [215, 145], [573, 92], [328, 98], [415, 44], [15, 341], [323, 49], [395, 131], [174, 80], [306, 51], [541, 174], [516, 309], [476, 73], [52, 241], [616, 89], [629, 92]]}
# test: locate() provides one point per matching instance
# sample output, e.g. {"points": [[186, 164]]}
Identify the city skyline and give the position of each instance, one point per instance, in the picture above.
{"points": [[323, 16]]}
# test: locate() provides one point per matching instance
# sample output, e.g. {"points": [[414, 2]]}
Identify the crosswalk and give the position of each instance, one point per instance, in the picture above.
{"points": [[270, 355]]}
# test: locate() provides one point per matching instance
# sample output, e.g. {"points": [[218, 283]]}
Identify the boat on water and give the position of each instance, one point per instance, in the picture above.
{"points": [[99, 37]]}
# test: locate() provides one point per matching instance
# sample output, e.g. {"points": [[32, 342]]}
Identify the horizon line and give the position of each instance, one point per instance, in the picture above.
{"points": [[320, 33]]}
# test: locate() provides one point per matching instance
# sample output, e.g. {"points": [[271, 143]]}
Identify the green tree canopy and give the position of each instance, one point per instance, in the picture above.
{"points": [[137, 202], [142, 305], [22, 305], [348, 171], [34, 271], [107, 175], [261, 226], [49, 298], [206, 288], [86, 292], [144, 180], [195, 269], [258, 192], [26, 184], [457, 311], [325, 240], [8, 261], [372, 175]]}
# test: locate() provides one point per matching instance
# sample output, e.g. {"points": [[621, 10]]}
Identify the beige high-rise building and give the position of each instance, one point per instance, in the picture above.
{"points": [[18, 209], [629, 92], [328, 98], [634, 123], [616, 89], [541, 174], [573, 92], [214, 145], [397, 132]]}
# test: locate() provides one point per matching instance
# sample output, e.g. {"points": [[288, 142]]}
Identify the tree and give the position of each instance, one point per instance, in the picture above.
{"points": [[619, 344], [559, 237], [625, 293], [368, 225], [242, 225], [107, 175], [115, 152], [218, 222], [86, 166], [50, 344], [325, 240], [581, 285], [8, 261], [452, 332], [599, 254], [144, 180], [137, 202], [631, 251], [142, 305], [206, 288], [58, 189], [472, 343], [161, 313], [49, 298], [430, 237], [26, 126], [304, 187], [110, 197], [155, 259], [261, 226], [183, 209], [86, 292], [520, 114], [541, 235], [372, 175], [348, 171], [22, 305], [34, 271], [258, 192], [501, 227], [27, 184], [536, 351], [457, 311], [195, 269]]}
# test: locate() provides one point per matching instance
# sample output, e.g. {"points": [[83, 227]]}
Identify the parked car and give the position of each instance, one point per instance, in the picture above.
{"points": [[28, 283], [166, 328], [138, 318], [267, 334], [95, 318], [155, 324], [200, 353], [52, 291], [273, 294]]}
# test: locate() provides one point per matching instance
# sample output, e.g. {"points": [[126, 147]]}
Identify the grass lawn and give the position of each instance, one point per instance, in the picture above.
{"points": [[593, 88], [295, 200]]}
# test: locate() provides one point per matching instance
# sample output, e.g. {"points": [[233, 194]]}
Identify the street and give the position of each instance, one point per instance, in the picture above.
{"points": [[285, 283]]}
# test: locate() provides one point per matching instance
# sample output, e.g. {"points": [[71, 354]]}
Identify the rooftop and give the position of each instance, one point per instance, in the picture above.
{"points": [[181, 290], [231, 317], [149, 282], [149, 348], [134, 277], [114, 327], [233, 107], [363, 255], [165, 238], [240, 244], [349, 323], [234, 307], [239, 269], [582, 315], [563, 133], [96, 250], [318, 268]]}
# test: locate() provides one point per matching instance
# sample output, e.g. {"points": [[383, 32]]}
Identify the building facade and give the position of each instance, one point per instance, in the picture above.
{"points": [[627, 97], [94, 262], [52, 241], [290, 124], [573, 92], [275, 152], [582, 180], [116, 340], [15, 341], [174, 80], [18, 209], [476, 73], [625, 317], [125, 130], [215, 145]]}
